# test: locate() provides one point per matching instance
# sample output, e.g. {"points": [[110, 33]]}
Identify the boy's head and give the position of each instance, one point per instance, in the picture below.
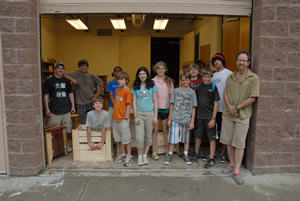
{"points": [[185, 78], [194, 70], [206, 75], [117, 69], [122, 76], [60, 64], [98, 103], [218, 56], [59, 69], [83, 65], [185, 74]]}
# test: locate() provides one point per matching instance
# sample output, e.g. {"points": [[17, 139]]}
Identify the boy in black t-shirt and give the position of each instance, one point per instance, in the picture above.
{"points": [[59, 90], [207, 100]]}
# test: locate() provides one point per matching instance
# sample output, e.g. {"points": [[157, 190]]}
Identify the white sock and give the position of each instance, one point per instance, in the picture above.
{"points": [[171, 153], [186, 153], [140, 156], [145, 155]]}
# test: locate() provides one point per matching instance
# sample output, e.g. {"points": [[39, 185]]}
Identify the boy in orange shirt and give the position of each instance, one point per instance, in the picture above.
{"points": [[121, 115]]}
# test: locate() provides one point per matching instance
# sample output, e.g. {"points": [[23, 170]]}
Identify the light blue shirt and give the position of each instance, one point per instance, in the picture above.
{"points": [[112, 87], [144, 98]]}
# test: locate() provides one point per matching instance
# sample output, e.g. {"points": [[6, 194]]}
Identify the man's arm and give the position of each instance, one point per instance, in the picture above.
{"points": [[192, 125], [128, 107], [212, 122], [71, 96], [74, 81], [100, 87], [246, 102], [111, 96], [231, 108], [46, 101]]}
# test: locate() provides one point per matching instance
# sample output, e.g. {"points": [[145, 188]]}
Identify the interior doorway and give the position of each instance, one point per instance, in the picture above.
{"points": [[166, 50]]}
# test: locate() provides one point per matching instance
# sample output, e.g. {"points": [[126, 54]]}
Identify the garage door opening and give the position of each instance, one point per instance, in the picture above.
{"points": [[199, 38]]}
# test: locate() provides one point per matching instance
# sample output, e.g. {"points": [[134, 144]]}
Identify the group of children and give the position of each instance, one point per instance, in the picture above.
{"points": [[189, 109]]}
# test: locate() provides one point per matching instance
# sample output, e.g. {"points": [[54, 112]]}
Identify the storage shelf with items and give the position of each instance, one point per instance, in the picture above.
{"points": [[47, 70]]}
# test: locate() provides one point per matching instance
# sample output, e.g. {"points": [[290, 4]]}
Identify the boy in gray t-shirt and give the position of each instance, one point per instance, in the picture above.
{"points": [[97, 120], [181, 117]]}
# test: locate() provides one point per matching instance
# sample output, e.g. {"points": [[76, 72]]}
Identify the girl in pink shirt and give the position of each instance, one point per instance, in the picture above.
{"points": [[165, 88]]}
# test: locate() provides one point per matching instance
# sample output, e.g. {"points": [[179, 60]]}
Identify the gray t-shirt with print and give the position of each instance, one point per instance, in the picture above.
{"points": [[84, 90], [97, 122], [184, 100]]}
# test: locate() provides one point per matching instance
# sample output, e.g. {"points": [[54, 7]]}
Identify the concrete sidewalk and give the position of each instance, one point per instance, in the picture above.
{"points": [[138, 185]]}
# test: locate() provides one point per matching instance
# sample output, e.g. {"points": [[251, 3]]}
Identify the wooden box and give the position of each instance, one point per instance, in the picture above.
{"points": [[56, 142], [161, 147], [81, 150]]}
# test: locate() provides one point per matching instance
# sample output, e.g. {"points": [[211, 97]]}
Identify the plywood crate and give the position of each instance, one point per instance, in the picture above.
{"points": [[161, 147], [81, 150]]}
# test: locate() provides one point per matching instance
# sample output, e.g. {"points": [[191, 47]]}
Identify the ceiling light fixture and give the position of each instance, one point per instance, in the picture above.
{"points": [[118, 23], [160, 23], [77, 24]]}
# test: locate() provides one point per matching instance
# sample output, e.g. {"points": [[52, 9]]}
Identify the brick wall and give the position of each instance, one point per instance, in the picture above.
{"points": [[274, 140], [20, 50]]}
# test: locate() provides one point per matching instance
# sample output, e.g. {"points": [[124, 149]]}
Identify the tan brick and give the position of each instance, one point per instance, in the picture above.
{"points": [[271, 60], [274, 28], [23, 25], [12, 116], [265, 74], [26, 86], [295, 169], [264, 103], [293, 89], [16, 41], [11, 86], [17, 71], [284, 103], [260, 159], [9, 57], [272, 88], [14, 145], [15, 171], [288, 13], [267, 145], [293, 59], [297, 132], [22, 160], [291, 117], [297, 158], [294, 29], [7, 25], [263, 132], [287, 74], [29, 116], [265, 170], [290, 145], [34, 27], [30, 145], [14, 9], [19, 102], [287, 44], [20, 131], [24, 56], [279, 159], [282, 131], [264, 43]]}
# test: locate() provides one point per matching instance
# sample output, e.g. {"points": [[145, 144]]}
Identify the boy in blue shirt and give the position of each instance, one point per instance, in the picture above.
{"points": [[112, 87], [207, 101]]}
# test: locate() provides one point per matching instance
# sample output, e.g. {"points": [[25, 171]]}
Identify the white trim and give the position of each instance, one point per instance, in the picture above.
{"points": [[201, 7]]}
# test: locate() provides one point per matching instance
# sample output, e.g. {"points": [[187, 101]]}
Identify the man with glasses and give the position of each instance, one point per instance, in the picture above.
{"points": [[241, 91]]}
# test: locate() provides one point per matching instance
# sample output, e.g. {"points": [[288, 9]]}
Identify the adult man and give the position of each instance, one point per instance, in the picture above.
{"points": [[60, 92], [219, 79], [84, 83], [241, 91]]}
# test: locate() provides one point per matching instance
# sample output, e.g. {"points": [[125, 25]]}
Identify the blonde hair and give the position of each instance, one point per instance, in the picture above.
{"points": [[206, 71], [169, 81], [194, 66]]}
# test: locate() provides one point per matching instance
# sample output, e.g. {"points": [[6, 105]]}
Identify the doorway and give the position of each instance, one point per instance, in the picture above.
{"points": [[166, 50]]}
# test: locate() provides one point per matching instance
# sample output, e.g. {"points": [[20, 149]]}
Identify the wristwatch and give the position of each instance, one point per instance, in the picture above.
{"points": [[126, 119], [237, 108], [214, 118]]}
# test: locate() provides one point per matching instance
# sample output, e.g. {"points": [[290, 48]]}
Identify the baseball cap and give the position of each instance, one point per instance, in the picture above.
{"points": [[60, 64]]}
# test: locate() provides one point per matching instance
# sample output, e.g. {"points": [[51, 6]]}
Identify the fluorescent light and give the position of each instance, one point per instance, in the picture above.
{"points": [[77, 24], [118, 23], [160, 24]]}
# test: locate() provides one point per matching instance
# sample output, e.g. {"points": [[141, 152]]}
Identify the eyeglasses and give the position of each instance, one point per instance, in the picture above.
{"points": [[242, 61]]}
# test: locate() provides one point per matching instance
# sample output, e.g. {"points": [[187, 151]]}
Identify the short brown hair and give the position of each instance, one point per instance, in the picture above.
{"points": [[206, 71], [194, 66], [185, 74], [123, 75], [98, 99]]}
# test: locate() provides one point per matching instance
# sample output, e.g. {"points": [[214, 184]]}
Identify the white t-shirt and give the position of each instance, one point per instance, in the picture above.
{"points": [[219, 79]]}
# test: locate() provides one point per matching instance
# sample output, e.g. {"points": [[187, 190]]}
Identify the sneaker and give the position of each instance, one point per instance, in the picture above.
{"points": [[187, 159], [140, 161], [228, 169], [211, 162], [155, 156], [128, 161], [200, 155], [237, 177], [194, 157], [145, 159], [120, 158], [168, 159], [223, 158], [205, 158]]}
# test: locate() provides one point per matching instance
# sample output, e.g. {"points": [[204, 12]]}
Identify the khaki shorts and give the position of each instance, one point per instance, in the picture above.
{"points": [[234, 132], [111, 111], [61, 120], [121, 131]]}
